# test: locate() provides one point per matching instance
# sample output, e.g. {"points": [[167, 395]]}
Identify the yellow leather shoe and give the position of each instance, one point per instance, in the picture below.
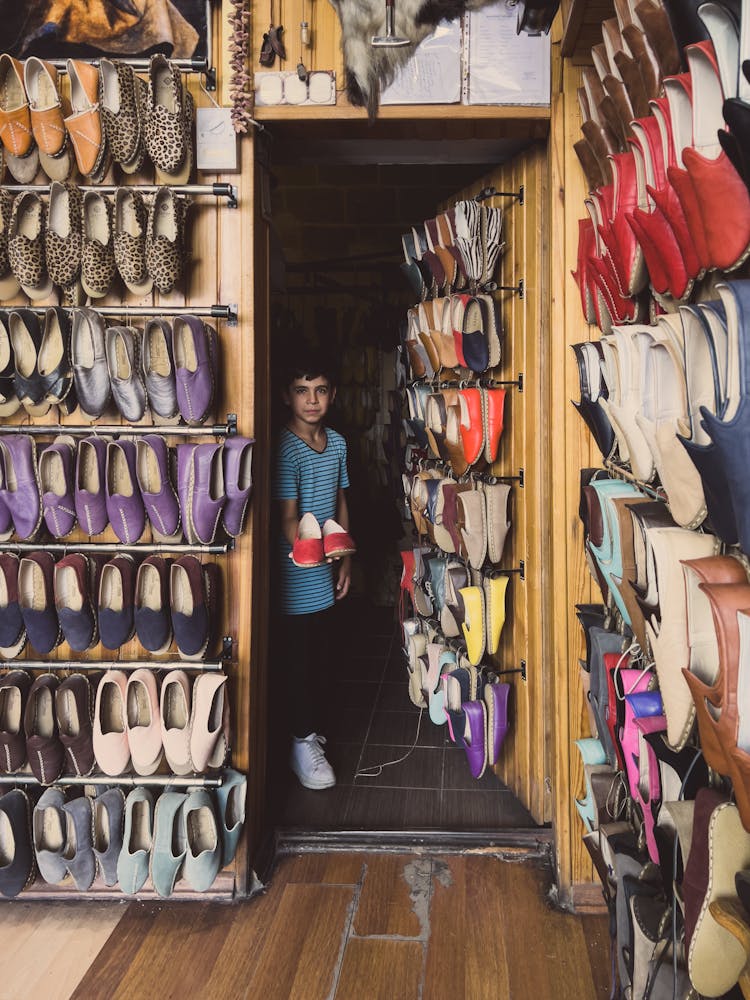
{"points": [[472, 625], [494, 600]]}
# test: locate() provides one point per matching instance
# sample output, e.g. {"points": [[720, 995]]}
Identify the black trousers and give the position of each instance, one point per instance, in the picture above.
{"points": [[302, 671]]}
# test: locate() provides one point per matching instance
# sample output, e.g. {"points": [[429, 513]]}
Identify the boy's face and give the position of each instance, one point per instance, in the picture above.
{"points": [[309, 399]]}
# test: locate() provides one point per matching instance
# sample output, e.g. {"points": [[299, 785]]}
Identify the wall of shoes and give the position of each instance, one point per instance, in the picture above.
{"points": [[663, 800], [469, 383], [126, 457]]}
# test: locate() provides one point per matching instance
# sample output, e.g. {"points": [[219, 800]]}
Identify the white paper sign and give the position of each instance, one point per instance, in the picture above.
{"points": [[505, 68], [433, 74], [216, 140]]}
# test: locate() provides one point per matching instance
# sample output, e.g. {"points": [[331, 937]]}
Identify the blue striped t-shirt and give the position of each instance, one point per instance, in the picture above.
{"points": [[313, 479]]}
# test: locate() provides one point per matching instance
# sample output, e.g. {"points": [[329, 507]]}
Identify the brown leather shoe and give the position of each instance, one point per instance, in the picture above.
{"points": [[21, 152], [47, 121], [85, 124], [43, 747]]}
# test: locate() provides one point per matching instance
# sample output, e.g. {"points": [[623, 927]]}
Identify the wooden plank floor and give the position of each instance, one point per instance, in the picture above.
{"points": [[329, 927]]}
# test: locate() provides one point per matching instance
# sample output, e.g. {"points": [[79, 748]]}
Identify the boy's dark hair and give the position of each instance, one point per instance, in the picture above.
{"points": [[307, 364]]}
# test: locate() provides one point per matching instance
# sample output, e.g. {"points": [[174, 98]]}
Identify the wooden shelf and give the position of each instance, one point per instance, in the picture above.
{"points": [[223, 889], [404, 112]]}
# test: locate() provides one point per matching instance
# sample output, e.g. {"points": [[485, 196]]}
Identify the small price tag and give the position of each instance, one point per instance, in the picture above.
{"points": [[216, 140]]}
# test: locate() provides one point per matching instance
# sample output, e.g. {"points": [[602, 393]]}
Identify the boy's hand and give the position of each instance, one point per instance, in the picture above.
{"points": [[343, 578]]}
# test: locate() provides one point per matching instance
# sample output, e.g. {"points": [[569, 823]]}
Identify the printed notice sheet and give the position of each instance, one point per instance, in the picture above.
{"points": [[433, 74], [503, 67]]}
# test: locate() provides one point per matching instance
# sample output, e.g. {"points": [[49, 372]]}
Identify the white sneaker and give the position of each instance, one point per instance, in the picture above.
{"points": [[308, 761]]}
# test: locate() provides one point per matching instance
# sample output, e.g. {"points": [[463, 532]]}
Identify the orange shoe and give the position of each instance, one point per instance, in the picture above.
{"points": [[337, 542], [307, 550], [493, 407], [472, 427]]}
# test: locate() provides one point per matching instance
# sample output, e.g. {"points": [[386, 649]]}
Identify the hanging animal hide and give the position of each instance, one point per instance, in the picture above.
{"points": [[368, 69]]}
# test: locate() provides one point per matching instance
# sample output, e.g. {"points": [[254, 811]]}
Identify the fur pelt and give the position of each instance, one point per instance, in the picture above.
{"points": [[369, 69]]}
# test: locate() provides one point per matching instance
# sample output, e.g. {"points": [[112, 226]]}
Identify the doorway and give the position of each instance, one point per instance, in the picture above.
{"points": [[335, 281]]}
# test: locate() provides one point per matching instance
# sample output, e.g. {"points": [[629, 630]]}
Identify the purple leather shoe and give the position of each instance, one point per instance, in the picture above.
{"points": [[200, 487], [238, 481], [159, 497], [195, 350], [496, 699], [473, 738], [158, 369], [19, 490], [123, 498], [56, 478], [90, 500]]}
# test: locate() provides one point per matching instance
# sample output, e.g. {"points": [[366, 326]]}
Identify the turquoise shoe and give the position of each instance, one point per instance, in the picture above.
{"points": [[138, 835], [170, 842], [230, 800], [204, 848]]}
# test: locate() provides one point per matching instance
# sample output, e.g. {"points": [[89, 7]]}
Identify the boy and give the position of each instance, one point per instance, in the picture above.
{"points": [[310, 476]]}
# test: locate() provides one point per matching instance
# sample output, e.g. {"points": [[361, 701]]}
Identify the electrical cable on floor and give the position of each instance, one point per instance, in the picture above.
{"points": [[378, 768]]}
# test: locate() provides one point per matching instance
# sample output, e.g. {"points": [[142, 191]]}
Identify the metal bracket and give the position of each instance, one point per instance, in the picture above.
{"points": [[226, 648], [231, 424], [492, 383], [516, 670], [521, 478], [228, 191], [230, 313], [492, 192], [522, 568], [210, 75], [520, 381], [519, 289]]}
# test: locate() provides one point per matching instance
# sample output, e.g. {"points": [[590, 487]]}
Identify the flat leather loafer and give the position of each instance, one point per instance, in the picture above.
{"points": [[44, 750], [98, 268], [26, 339], [19, 490], [36, 598], [153, 623], [200, 488], [238, 482], [137, 841], [125, 509], [17, 866], [9, 401], [204, 849], [115, 610], [21, 151], [122, 96], [90, 491], [110, 731], [78, 853], [123, 347], [130, 240], [14, 693], [155, 484], [193, 600], [209, 725], [195, 352], [170, 842], [63, 240], [159, 370], [48, 831], [75, 717], [89, 362], [107, 821], [474, 736], [26, 245], [73, 601], [143, 723], [230, 808], [175, 711], [56, 481], [12, 626], [53, 364]]}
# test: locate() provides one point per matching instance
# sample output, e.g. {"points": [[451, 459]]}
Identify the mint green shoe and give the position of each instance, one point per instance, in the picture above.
{"points": [[138, 835], [230, 799], [204, 848], [170, 842]]}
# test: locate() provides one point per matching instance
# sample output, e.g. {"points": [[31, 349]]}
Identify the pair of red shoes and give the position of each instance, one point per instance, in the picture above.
{"points": [[314, 545]]}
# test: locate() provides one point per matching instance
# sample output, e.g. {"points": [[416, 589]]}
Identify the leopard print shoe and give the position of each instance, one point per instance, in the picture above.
{"points": [[9, 285], [98, 259], [63, 240], [123, 99], [131, 222], [169, 122], [165, 238], [26, 245]]}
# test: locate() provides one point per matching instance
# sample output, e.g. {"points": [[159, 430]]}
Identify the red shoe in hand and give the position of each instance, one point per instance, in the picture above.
{"points": [[337, 543], [307, 550]]}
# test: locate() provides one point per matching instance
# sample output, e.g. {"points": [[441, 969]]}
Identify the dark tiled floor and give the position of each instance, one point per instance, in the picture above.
{"points": [[372, 722]]}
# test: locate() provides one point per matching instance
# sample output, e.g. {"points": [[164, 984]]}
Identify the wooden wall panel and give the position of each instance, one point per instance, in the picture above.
{"points": [[572, 450], [524, 765]]}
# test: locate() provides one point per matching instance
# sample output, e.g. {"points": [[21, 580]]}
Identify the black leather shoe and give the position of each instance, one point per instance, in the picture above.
{"points": [[736, 142], [9, 401], [17, 867], [26, 339], [53, 363]]}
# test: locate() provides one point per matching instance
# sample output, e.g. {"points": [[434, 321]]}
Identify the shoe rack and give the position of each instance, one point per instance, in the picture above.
{"points": [[572, 438], [518, 288], [217, 286]]}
